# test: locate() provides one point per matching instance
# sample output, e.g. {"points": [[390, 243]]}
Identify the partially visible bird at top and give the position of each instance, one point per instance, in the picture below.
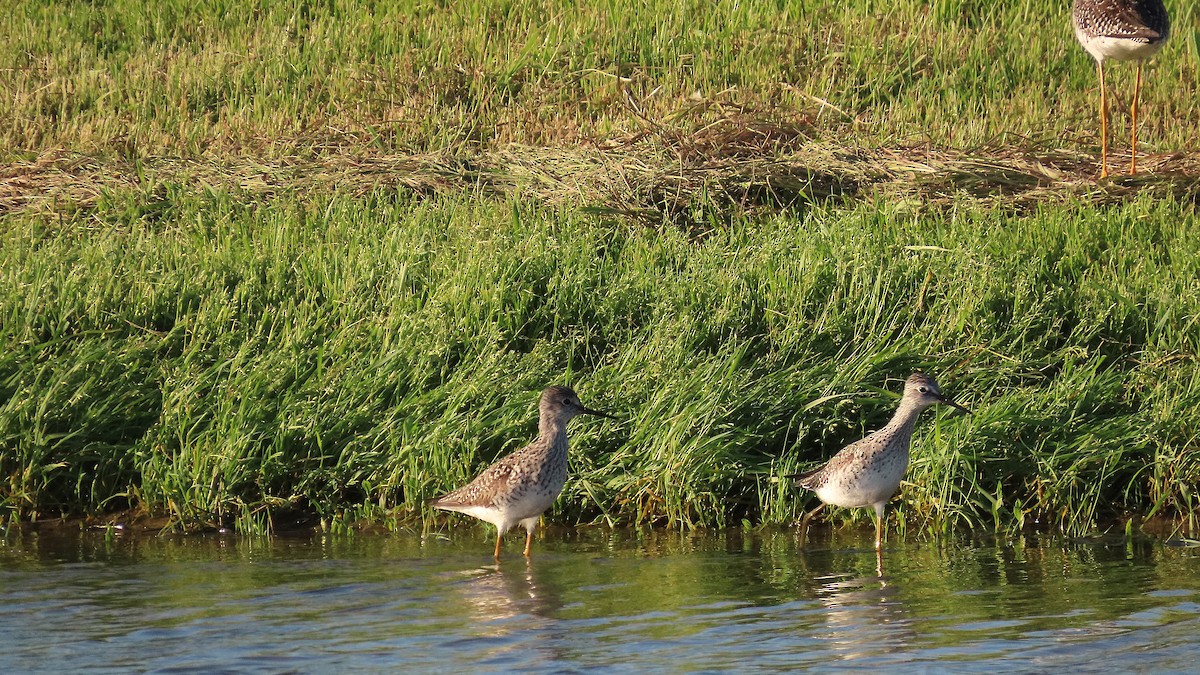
{"points": [[1123, 30]]}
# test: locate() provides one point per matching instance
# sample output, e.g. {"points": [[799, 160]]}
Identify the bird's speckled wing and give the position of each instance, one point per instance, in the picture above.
{"points": [[856, 453], [483, 490], [1134, 20]]}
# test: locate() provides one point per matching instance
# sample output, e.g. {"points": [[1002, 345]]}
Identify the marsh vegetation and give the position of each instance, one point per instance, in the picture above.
{"points": [[265, 259]]}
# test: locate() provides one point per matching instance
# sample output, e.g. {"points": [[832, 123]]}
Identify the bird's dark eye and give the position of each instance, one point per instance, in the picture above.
{"points": [[567, 401], [923, 390]]}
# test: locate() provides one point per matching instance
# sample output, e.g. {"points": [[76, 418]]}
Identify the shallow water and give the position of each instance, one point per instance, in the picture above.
{"points": [[619, 601]]}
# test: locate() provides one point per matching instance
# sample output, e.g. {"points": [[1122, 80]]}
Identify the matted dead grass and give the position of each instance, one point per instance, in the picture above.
{"points": [[656, 176]]}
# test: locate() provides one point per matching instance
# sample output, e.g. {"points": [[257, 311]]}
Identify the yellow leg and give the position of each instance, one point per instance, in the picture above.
{"points": [[878, 526], [1103, 123], [804, 522], [528, 542], [1137, 88], [498, 535]]}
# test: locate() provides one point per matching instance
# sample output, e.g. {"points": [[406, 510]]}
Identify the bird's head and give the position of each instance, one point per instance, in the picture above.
{"points": [[923, 390], [562, 403]]}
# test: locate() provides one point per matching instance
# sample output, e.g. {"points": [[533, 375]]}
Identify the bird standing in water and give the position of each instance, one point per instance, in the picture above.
{"points": [[868, 472], [518, 488]]}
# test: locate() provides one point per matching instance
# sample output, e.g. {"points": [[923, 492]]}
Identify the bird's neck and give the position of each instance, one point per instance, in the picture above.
{"points": [[552, 431], [906, 415]]}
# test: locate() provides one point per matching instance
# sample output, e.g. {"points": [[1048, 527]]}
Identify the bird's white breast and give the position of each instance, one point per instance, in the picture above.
{"points": [[865, 485], [1118, 49]]}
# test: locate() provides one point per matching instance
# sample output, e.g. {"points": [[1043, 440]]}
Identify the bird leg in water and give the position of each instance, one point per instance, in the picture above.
{"points": [[804, 522], [879, 525]]}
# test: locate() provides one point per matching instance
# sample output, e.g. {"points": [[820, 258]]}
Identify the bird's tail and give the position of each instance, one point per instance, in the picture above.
{"points": [[801, 479]]}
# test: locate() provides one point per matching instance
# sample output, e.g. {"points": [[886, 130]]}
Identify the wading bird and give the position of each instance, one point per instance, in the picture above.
{"points": [[868, 472], [518, 488]]}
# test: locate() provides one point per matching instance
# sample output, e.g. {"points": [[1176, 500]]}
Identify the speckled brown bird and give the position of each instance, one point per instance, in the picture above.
{"points": [[1124, 30], [518, 488], [868, 472]]}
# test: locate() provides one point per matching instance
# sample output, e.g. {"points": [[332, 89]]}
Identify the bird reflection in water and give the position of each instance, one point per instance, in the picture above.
{"points": [[497, 594], [863, 615], [510, 615]]}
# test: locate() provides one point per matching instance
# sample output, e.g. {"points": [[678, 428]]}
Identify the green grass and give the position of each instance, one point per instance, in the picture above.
{"points": [[212, 358], [301, 78], [266, 259]]}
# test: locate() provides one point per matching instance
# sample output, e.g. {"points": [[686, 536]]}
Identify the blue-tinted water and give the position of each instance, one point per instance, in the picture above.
{"points": [[617, 601]]}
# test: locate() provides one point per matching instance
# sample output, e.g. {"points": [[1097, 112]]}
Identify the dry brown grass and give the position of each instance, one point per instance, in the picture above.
{"points": [[660, 174]]}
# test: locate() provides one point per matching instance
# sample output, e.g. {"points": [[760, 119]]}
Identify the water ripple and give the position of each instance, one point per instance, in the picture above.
{"points": [[712, 606]]}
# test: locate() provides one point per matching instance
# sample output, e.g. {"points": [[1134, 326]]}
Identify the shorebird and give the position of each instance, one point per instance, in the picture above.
{"points": [[868, 471], [518, 488], [1124, 30]]}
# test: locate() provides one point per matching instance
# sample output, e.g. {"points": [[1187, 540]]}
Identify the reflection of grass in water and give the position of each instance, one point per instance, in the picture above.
{"points": [[713, 599], [951, 592]]}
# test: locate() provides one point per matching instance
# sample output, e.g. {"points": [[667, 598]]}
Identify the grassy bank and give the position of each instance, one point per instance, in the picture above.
{"points": [[278, 79], [277, 258], [216, 359]]}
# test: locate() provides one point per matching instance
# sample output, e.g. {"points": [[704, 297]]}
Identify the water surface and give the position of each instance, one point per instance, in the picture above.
{"points": [[621, 601]]}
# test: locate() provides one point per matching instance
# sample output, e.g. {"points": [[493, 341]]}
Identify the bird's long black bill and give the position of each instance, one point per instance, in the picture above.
{"points": [[597, 413], [950, 402]]}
